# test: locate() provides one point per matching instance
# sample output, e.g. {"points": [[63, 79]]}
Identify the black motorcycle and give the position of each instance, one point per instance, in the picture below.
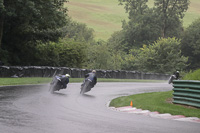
{"points": [[175, 76], [55, 84], [172, 78], [86, 86]]}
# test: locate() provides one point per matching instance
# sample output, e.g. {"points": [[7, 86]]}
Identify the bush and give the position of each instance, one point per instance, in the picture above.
{"points": [[163, 56], [99, 56], [195, 75], [65, 53], [191, 44]]}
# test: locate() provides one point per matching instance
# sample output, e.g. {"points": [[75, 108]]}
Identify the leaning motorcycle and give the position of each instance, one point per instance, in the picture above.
{"points": [[173, 77], [55, 84], [86, 86]]}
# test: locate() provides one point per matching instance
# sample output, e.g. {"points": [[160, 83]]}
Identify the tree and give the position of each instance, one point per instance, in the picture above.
{"points": [[146, 24], [25, 22], [99, 56], [190, 44], [117, 42], [135, 7], [78, 31], [163, 56], [129, 60], [142, 29], [171, 12], [2, 10], [64, 53]]}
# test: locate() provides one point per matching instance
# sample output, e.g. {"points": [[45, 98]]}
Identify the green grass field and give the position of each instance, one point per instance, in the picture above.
{"points": [[156, 101], [39, 80], [105, 16]]}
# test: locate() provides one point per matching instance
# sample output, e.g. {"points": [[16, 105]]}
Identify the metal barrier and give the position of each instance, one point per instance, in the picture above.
{"points": [[186, 92]]}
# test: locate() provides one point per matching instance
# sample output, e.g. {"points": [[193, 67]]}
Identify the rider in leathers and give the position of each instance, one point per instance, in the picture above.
{"points": [[175, 76], [92, 76], [64, 80]]}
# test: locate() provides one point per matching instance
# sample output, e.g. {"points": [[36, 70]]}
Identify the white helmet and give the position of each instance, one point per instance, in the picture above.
{"points": [[67, 75]]}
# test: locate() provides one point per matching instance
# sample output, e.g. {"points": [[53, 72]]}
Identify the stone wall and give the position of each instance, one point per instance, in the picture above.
{"points": [[47, 71]]}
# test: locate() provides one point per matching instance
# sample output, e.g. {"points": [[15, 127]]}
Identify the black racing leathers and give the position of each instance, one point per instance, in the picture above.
{"points": [[64, 80]]}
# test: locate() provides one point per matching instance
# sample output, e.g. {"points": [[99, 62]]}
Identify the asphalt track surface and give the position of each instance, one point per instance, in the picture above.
{"points": [[32, 109]]}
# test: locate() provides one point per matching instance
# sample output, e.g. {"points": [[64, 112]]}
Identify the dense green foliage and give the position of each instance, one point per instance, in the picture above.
{"points": [[99, 56], [170, 13], [40, 33], [192, 75], [34, 32], [78, 32], [156, 101], [146, 24], [62, 53], [102, 56], [25, 22], [163, 56], [191, 44]]}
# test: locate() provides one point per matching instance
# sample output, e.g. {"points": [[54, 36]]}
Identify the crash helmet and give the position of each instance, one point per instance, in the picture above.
{"points": [[93, 71], [67, 75], [177, 72]]}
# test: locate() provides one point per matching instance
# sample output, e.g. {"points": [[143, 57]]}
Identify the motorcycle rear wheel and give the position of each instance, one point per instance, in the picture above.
{"points": [[84, 87]]}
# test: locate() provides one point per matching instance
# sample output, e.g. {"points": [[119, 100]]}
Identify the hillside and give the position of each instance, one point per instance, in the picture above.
{"points": [[105, 16]]}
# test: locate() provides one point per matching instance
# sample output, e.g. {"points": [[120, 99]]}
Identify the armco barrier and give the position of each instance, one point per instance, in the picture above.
{"points": [[186, 92], [47, 71]]}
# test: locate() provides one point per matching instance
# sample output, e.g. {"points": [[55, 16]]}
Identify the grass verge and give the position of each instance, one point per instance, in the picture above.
{"points": [[40, 80], [156, 101], [23, 81]]}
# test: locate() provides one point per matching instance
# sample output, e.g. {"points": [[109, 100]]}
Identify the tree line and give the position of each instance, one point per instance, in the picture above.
{"points": [[35, 32]]}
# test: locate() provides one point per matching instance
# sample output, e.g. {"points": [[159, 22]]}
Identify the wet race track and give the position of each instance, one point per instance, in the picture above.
{"points": [[32, 109]]}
